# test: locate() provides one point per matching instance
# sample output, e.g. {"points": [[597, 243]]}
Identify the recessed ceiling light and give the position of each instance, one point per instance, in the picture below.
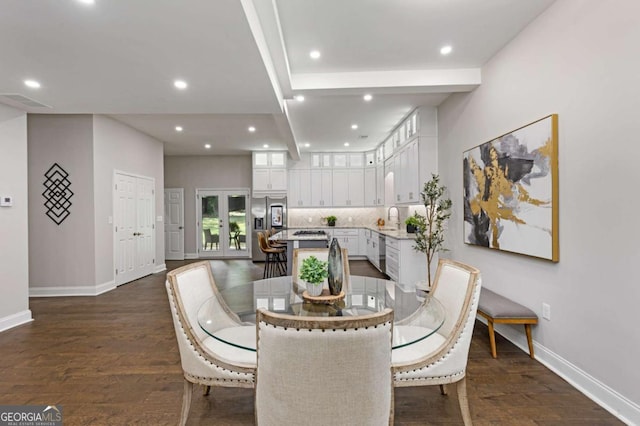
{"points": [[307, 145], [354, 126], [32, 83], [346, 144], [315, 54], [445, 50], [252, 129], [367, 97], [299, 98], [86, 1], [180, 84], [178, 128], [265, 146], [207, 145]]}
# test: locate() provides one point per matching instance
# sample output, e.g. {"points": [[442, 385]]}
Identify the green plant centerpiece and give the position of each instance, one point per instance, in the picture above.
{"points": [[331, 220], [431, 227], [314, 271], [412, 223]]}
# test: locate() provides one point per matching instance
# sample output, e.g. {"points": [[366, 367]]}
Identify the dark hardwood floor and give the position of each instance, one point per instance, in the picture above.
{"points": [[113, 360]]}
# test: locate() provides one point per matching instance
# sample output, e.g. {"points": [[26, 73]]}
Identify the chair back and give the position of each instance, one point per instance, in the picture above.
{"points": [[188, 287], [318, 371], [262, 242], [457, 287], [299, 255]]}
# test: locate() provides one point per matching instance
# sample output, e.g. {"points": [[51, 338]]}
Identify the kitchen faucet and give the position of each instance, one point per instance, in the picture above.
{"points": [[397, 215]]}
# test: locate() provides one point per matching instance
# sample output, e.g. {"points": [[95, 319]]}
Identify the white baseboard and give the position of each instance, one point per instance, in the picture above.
{"points": [[191, 256], [15, 320], [609, 399], [71, 291], [160, 268]]}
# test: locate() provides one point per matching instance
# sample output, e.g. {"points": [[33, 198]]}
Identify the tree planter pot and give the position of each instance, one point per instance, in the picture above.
{"points": [[411, 229]]}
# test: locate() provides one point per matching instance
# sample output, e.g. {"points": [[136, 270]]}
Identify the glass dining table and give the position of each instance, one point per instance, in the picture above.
{"points": [[417, 315]]}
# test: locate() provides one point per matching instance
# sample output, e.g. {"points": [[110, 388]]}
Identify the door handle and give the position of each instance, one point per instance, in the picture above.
{"points": [[180, 227], [135, 234]]}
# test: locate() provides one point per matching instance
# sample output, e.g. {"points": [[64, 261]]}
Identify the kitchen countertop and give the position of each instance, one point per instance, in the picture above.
{"points": [[401, 234], [288, 235]]}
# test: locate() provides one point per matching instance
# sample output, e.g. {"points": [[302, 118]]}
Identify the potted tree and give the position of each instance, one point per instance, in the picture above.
{"points": [[314, 271], [430, 234], [331, 220]]}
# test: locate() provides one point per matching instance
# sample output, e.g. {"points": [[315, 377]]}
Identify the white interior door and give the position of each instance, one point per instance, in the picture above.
{"points": [[134, 205], [174, 223], [223, 223]]}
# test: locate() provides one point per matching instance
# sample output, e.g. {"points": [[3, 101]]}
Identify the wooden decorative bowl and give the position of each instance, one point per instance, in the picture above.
{"points": [[326, 297]]}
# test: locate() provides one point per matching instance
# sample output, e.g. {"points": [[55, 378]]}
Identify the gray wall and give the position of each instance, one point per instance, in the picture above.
{"points": [[76, 257], [122, 148], [61, 255], [14, 250], [575, 60], [190, 172]]}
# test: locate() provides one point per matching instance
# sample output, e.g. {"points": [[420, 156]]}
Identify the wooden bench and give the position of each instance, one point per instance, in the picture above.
{"points": [[500, 310]]}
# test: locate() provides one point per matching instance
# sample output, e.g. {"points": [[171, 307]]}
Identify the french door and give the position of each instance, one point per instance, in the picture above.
{"points": [[222, 223], [134, 228]]}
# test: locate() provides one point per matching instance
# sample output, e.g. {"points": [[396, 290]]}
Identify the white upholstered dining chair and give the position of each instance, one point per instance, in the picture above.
{"points": [[441, 359], [205, 360], [324, 370]]}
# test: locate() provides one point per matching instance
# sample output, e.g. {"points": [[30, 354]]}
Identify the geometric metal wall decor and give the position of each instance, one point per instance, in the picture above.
{"points": [[511, 191], [57, 193]]}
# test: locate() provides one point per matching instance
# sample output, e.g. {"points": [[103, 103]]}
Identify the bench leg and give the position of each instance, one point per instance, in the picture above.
{"points": [[527, 329], [492, 339]]}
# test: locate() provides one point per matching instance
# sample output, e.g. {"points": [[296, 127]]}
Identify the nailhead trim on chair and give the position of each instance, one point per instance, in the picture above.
{"points": [[441, 359], [205, 359]]}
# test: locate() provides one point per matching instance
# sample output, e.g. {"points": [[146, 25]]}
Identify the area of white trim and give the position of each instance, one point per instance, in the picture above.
{"points": [[618, 405], [63, 291], [15, 320], [463, 79], [191, 256], [160, 268]]}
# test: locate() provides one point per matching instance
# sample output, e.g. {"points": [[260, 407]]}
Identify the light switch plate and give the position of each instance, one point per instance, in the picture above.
{"points": [[6, 201]]}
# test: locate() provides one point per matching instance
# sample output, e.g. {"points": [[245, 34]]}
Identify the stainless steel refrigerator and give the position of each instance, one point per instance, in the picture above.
{"points": [[266, 213]]}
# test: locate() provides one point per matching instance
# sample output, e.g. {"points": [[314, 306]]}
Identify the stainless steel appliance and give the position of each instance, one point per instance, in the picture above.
{"points": [[266, 213]]}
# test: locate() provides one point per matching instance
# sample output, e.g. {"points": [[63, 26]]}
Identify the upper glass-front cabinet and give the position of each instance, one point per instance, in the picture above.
{"points": [[269, 159]]}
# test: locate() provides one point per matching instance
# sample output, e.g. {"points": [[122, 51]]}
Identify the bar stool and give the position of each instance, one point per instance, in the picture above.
{"points": [[275, 262]]}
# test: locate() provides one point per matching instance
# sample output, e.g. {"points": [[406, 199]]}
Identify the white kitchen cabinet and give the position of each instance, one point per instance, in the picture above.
{"points": [[321, 188], [349, 239], [406, 182], [373, 249], [269, 181], [380, 199], [370, 187], [299, 194], [270, 159], [348, 187], [403, 264], [347, 159], [321, 160], [269, 173]]}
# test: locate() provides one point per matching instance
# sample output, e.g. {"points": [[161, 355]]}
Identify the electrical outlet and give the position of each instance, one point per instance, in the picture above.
{"points": [[546, 311], [310, 220]]}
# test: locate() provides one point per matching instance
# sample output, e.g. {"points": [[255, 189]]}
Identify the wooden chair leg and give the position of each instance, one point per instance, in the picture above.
{"points": [[492, 339], [461, 388], [527, 329], [186, 402]]}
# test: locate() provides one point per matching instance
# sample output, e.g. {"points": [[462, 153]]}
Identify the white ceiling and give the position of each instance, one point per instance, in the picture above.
{"points": [[244, 60]]}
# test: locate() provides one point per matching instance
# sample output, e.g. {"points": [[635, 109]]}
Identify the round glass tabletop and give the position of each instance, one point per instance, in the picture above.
{"points": [[416, 314]]}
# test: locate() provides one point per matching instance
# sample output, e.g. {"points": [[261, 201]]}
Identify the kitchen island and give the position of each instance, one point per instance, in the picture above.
{"points": [[301, 238]]}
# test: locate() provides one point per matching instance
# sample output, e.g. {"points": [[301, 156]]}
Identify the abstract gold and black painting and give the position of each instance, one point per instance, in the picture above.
{"points": [[511, 191]]}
